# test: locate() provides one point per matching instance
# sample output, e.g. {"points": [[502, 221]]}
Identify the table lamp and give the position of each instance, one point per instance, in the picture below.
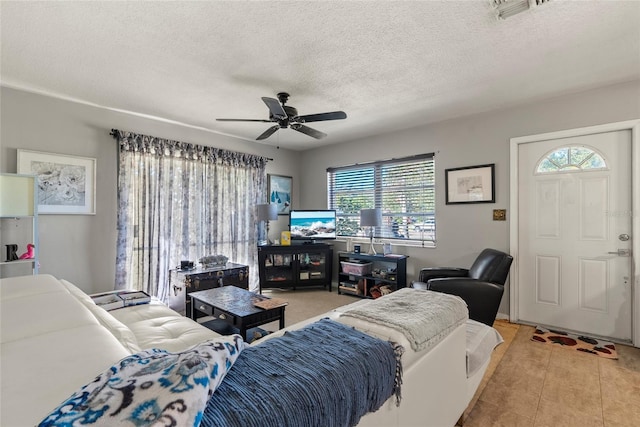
{"points": [[371, 218], [266, 212]]}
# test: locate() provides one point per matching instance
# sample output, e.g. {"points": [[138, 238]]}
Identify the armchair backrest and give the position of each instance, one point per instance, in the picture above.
{"points": [[491, 266]]}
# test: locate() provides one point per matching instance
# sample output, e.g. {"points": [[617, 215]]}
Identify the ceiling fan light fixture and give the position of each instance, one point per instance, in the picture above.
{"points": [[287, 117], [507, 8]]}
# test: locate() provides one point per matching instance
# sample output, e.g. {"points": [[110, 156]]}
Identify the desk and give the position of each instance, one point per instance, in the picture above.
{"points": [[183, 282]]}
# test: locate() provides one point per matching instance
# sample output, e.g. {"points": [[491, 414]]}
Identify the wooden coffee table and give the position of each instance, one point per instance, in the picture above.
{"points": [[235, 307]]}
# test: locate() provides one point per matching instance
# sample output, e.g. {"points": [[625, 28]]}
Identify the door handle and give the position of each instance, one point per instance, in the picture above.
{"points": [[621, 252]]}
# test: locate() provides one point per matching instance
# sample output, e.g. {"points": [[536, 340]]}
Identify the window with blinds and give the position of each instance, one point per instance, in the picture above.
{"points": [[404, 189]]}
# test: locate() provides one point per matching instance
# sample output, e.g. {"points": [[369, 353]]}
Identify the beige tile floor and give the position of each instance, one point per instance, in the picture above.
{"points": [[534, 384]]}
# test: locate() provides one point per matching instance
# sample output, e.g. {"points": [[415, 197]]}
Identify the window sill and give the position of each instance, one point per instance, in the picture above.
{"points": [[350, 241]]}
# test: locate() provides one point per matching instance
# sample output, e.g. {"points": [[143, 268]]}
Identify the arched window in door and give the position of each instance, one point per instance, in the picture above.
{"points": [[571, 159]]}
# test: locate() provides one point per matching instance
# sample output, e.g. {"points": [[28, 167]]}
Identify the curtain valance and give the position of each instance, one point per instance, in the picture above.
{"points": [[160, 147]]}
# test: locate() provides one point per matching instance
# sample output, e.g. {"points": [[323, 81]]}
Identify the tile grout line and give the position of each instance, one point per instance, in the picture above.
{"points": [[601, 391], [546, 374]]}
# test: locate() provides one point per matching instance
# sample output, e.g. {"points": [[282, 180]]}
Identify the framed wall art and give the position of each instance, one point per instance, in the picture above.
{"points": [[280, 190], [66, 184], [471, 184]]}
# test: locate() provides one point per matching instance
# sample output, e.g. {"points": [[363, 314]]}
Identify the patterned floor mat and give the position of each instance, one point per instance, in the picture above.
{"points": [[577, 342]]}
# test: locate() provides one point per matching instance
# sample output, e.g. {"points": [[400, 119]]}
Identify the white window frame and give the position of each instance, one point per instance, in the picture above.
{"points": [[376, 186]]}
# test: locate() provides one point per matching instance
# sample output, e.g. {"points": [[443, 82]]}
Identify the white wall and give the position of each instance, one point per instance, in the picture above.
{"points": [[464, 230], [81, 248]]}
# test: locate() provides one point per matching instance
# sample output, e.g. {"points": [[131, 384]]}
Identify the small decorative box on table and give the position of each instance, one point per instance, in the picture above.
{"points": [[118, 299]]}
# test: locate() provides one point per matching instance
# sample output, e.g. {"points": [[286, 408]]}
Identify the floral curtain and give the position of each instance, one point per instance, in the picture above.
{"points": [[179, 201]]}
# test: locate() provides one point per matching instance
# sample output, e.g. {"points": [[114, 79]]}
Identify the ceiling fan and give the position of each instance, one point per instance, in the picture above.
{"points": [[286, 116]]}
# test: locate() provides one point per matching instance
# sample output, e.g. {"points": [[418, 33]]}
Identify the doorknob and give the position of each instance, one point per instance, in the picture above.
{"points": [[621, 252], [623, 237]]}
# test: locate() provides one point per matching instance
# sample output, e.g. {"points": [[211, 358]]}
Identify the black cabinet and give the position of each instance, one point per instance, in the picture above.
{"points": [[183, 282], [371, 276], [295, 266]]}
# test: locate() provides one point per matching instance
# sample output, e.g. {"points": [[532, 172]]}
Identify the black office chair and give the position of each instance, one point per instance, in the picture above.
{"points": [[480, 286]]}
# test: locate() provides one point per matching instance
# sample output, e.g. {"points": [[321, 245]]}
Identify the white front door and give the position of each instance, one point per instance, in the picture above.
{"points": [[574, 233]]}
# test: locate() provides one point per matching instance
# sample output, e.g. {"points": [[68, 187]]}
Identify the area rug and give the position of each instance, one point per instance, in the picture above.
{"points": [[576, 342]]}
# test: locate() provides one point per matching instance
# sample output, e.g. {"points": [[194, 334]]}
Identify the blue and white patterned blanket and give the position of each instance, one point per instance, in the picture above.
{"points": [[326, 374], [151, 388]]}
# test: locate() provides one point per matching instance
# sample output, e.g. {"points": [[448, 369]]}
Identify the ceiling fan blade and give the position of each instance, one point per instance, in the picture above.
{"points": [[275, 108], [244, 120], [267, 133], [308, 131], [334, 115]]}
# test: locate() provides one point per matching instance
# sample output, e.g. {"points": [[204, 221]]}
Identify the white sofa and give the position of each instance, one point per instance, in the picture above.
{"points": [[54, 339]]}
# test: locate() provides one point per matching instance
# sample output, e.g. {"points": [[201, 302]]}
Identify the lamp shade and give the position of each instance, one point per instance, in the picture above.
{"points": [[267, 212], [370, 217]]}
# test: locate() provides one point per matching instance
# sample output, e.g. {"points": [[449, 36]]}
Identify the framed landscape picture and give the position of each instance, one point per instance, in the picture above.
{"points": [[471, 184], [280, 192], [66, 184]]}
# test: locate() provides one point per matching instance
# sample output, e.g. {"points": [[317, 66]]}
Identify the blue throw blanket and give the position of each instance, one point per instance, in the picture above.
{"points": [[326, 374]]}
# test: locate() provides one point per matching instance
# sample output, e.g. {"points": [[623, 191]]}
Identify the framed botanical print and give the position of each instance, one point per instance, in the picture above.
{"points": [[66, 184]]}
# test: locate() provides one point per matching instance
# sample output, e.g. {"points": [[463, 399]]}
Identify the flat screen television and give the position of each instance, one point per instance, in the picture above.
{"points": [[312, 225]]}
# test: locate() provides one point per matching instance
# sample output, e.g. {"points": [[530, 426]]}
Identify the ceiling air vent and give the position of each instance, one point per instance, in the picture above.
{"points": [[507, 8]]}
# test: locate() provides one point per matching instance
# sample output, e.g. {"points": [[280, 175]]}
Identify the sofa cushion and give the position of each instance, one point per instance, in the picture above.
{"points": [[24, 286], [37, 314], [117, 328], [41, 371], [157, 326], [152, 387], [146, 326], [77, 292]]}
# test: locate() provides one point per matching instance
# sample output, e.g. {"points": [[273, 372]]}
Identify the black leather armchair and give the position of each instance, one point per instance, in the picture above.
{"points": [[480, 286]]}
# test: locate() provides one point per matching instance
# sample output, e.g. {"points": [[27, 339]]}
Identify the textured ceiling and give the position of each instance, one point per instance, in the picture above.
{"points": [[388, 65]]}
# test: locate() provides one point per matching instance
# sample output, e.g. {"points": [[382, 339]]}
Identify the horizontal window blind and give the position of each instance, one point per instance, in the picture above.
{"points": [[404, 189]]}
